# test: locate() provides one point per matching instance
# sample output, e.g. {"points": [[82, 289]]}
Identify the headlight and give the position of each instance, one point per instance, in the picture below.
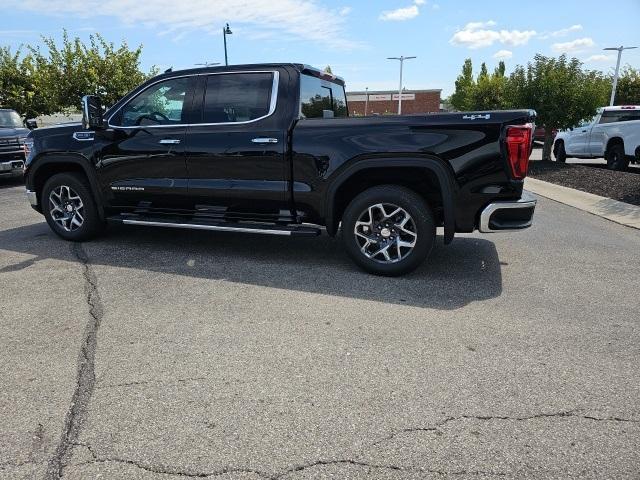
{"points": [[27, 146]]}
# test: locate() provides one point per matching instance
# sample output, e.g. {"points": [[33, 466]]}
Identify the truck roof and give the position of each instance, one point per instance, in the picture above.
{"points": [[301, 67], [621, 107]]}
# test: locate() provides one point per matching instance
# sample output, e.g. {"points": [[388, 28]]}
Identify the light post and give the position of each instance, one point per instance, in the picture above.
{"points": [[366, 100], [226, 31], [615, 76], [401, 58]]}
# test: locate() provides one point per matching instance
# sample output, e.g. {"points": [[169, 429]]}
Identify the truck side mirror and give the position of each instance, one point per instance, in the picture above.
{"points": [[92, 112], [31, 123]]}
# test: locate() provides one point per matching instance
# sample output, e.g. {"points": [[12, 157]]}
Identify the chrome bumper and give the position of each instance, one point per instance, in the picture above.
{"points": [[507, 215], [12, 167], [33, 198]]}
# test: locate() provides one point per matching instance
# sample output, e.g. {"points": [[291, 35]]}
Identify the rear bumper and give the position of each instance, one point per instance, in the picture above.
{"points": [[508, 215]]}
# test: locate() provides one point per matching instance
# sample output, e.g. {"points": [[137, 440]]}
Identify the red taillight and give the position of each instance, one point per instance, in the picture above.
{"points": [[518, 142]]}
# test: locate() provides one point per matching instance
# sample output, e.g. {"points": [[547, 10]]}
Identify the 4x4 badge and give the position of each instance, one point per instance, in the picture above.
{"points": [[486, 116]]}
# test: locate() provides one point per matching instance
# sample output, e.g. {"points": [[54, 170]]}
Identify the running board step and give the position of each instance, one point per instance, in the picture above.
{"points": [[288, 230]]}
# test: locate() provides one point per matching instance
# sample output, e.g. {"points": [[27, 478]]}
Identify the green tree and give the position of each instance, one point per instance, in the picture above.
{"points": [[628, 91], [462, 98], [327, 69], [53, 78], [560, 90]]}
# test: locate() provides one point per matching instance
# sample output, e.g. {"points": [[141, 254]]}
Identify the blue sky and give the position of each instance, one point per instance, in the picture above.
{"points": [[353, 36]]}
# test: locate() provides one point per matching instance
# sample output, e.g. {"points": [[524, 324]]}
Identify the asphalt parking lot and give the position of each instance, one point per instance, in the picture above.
{"points": [[153, 354]]}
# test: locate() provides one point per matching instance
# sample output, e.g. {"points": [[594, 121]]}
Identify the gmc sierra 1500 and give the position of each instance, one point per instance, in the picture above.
{"points": [[270, 149]]}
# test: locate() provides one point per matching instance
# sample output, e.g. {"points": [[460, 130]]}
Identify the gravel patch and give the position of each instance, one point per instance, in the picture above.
{"points": [[621, 186]]}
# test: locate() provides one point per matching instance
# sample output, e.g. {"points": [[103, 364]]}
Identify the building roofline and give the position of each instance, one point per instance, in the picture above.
{"points": [[386, 92]]}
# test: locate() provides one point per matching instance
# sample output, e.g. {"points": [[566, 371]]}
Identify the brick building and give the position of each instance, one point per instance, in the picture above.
{"points": [[386, 101]]}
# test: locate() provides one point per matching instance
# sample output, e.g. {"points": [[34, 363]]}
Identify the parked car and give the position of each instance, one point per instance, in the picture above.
{"points": [[614, 133], [12, 137], [270, 149], [540, 133]]}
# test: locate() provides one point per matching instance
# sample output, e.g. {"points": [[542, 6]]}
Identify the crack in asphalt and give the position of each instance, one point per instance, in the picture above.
{"points": [[152, 382], [85, 379], [565, 413], [357, 463]]}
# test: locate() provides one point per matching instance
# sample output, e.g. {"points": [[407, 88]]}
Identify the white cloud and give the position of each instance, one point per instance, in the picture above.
{"points": [[419, 2], [503, 54], [301, 19], [601, 58], [344, 11], [405, 13], [563, 32], [478, 34], [573, 46]]}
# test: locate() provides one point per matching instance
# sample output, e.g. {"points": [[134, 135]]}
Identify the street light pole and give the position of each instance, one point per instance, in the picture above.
{"points": [[615, 76], [226, 31], [401, 58], [366, 100]]}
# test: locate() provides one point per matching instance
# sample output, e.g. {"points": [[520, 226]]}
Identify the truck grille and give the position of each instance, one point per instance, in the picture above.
{"points": [[10, 145]]}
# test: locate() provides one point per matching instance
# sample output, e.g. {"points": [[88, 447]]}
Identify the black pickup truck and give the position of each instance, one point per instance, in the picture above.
{"points": [[12, 137], [270, 149]]}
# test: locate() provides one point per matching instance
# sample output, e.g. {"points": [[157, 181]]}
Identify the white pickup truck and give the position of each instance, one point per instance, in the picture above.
{"points": [[614, 133]]}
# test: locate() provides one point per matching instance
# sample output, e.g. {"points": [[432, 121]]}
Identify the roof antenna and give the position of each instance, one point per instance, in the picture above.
{"points": [[170, 69]]}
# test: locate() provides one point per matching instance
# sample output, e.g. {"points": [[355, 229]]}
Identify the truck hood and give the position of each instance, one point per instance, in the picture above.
{"points": [[13, 132]]}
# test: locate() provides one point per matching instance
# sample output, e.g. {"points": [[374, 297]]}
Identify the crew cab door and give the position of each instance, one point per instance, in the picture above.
{"points": [[577, 141], [141, 162], [236, 147]]}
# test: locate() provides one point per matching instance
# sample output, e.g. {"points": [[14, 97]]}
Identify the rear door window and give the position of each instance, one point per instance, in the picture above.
{"points": [[318, 95], [238, 97]]}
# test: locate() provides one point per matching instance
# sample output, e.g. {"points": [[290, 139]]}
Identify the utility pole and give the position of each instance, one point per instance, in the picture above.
{"points": [[226, 31], [615, 76], [366, 100], [401, 58]]}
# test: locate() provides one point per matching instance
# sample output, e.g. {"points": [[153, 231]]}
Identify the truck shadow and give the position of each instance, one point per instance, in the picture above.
{"points": [[466, 271]]}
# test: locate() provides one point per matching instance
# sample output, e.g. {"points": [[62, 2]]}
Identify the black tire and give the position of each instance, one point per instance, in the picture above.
{"points": [[559, 152], [68, 229], [420, 230], [616, 159]]}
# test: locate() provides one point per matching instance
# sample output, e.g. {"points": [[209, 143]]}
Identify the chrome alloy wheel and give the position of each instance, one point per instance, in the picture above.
{"points": [[385, 233], [66, 208]]}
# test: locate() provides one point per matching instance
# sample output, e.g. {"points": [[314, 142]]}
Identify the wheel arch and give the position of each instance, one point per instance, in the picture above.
{"points": [[613, 141], [393, 170], [48, 165]]}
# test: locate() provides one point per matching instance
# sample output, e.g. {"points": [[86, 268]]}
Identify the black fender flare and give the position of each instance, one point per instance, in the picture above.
{"points": [[433, 164], [76, 159]]}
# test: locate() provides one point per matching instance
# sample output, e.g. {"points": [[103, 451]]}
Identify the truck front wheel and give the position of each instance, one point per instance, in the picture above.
{"points": [[388, 230], [69, 208]]}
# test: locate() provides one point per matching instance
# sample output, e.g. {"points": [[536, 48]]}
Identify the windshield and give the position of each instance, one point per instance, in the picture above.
{"points": [[9, 118]]}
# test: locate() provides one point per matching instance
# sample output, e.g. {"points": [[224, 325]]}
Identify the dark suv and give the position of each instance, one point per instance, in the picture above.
{"points": [[12, 137]]}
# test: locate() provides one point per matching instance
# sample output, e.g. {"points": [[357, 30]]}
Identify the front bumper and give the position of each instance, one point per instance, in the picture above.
{"points": [[11, 168], [508, 215], [32, 197]]}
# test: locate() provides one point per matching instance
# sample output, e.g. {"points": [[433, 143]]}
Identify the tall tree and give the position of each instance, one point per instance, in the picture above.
{"points": [[462, 98], [53, 78], [561, 92], [327, 69], [628, 91]]}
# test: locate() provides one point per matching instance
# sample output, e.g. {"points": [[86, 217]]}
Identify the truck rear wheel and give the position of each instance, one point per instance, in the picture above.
{"points": [[69, 208], [616, 159], [388, 230]]}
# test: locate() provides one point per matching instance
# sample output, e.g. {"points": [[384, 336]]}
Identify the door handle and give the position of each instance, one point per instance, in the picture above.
{"points": [[584, 131], [264, 140], [169, 141]]}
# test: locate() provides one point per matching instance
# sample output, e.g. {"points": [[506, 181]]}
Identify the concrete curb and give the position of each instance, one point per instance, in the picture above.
{"points": [[619, 212]]}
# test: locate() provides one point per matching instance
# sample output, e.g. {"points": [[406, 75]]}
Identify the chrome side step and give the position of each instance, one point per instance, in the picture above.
{"points": [[274, 230]]}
